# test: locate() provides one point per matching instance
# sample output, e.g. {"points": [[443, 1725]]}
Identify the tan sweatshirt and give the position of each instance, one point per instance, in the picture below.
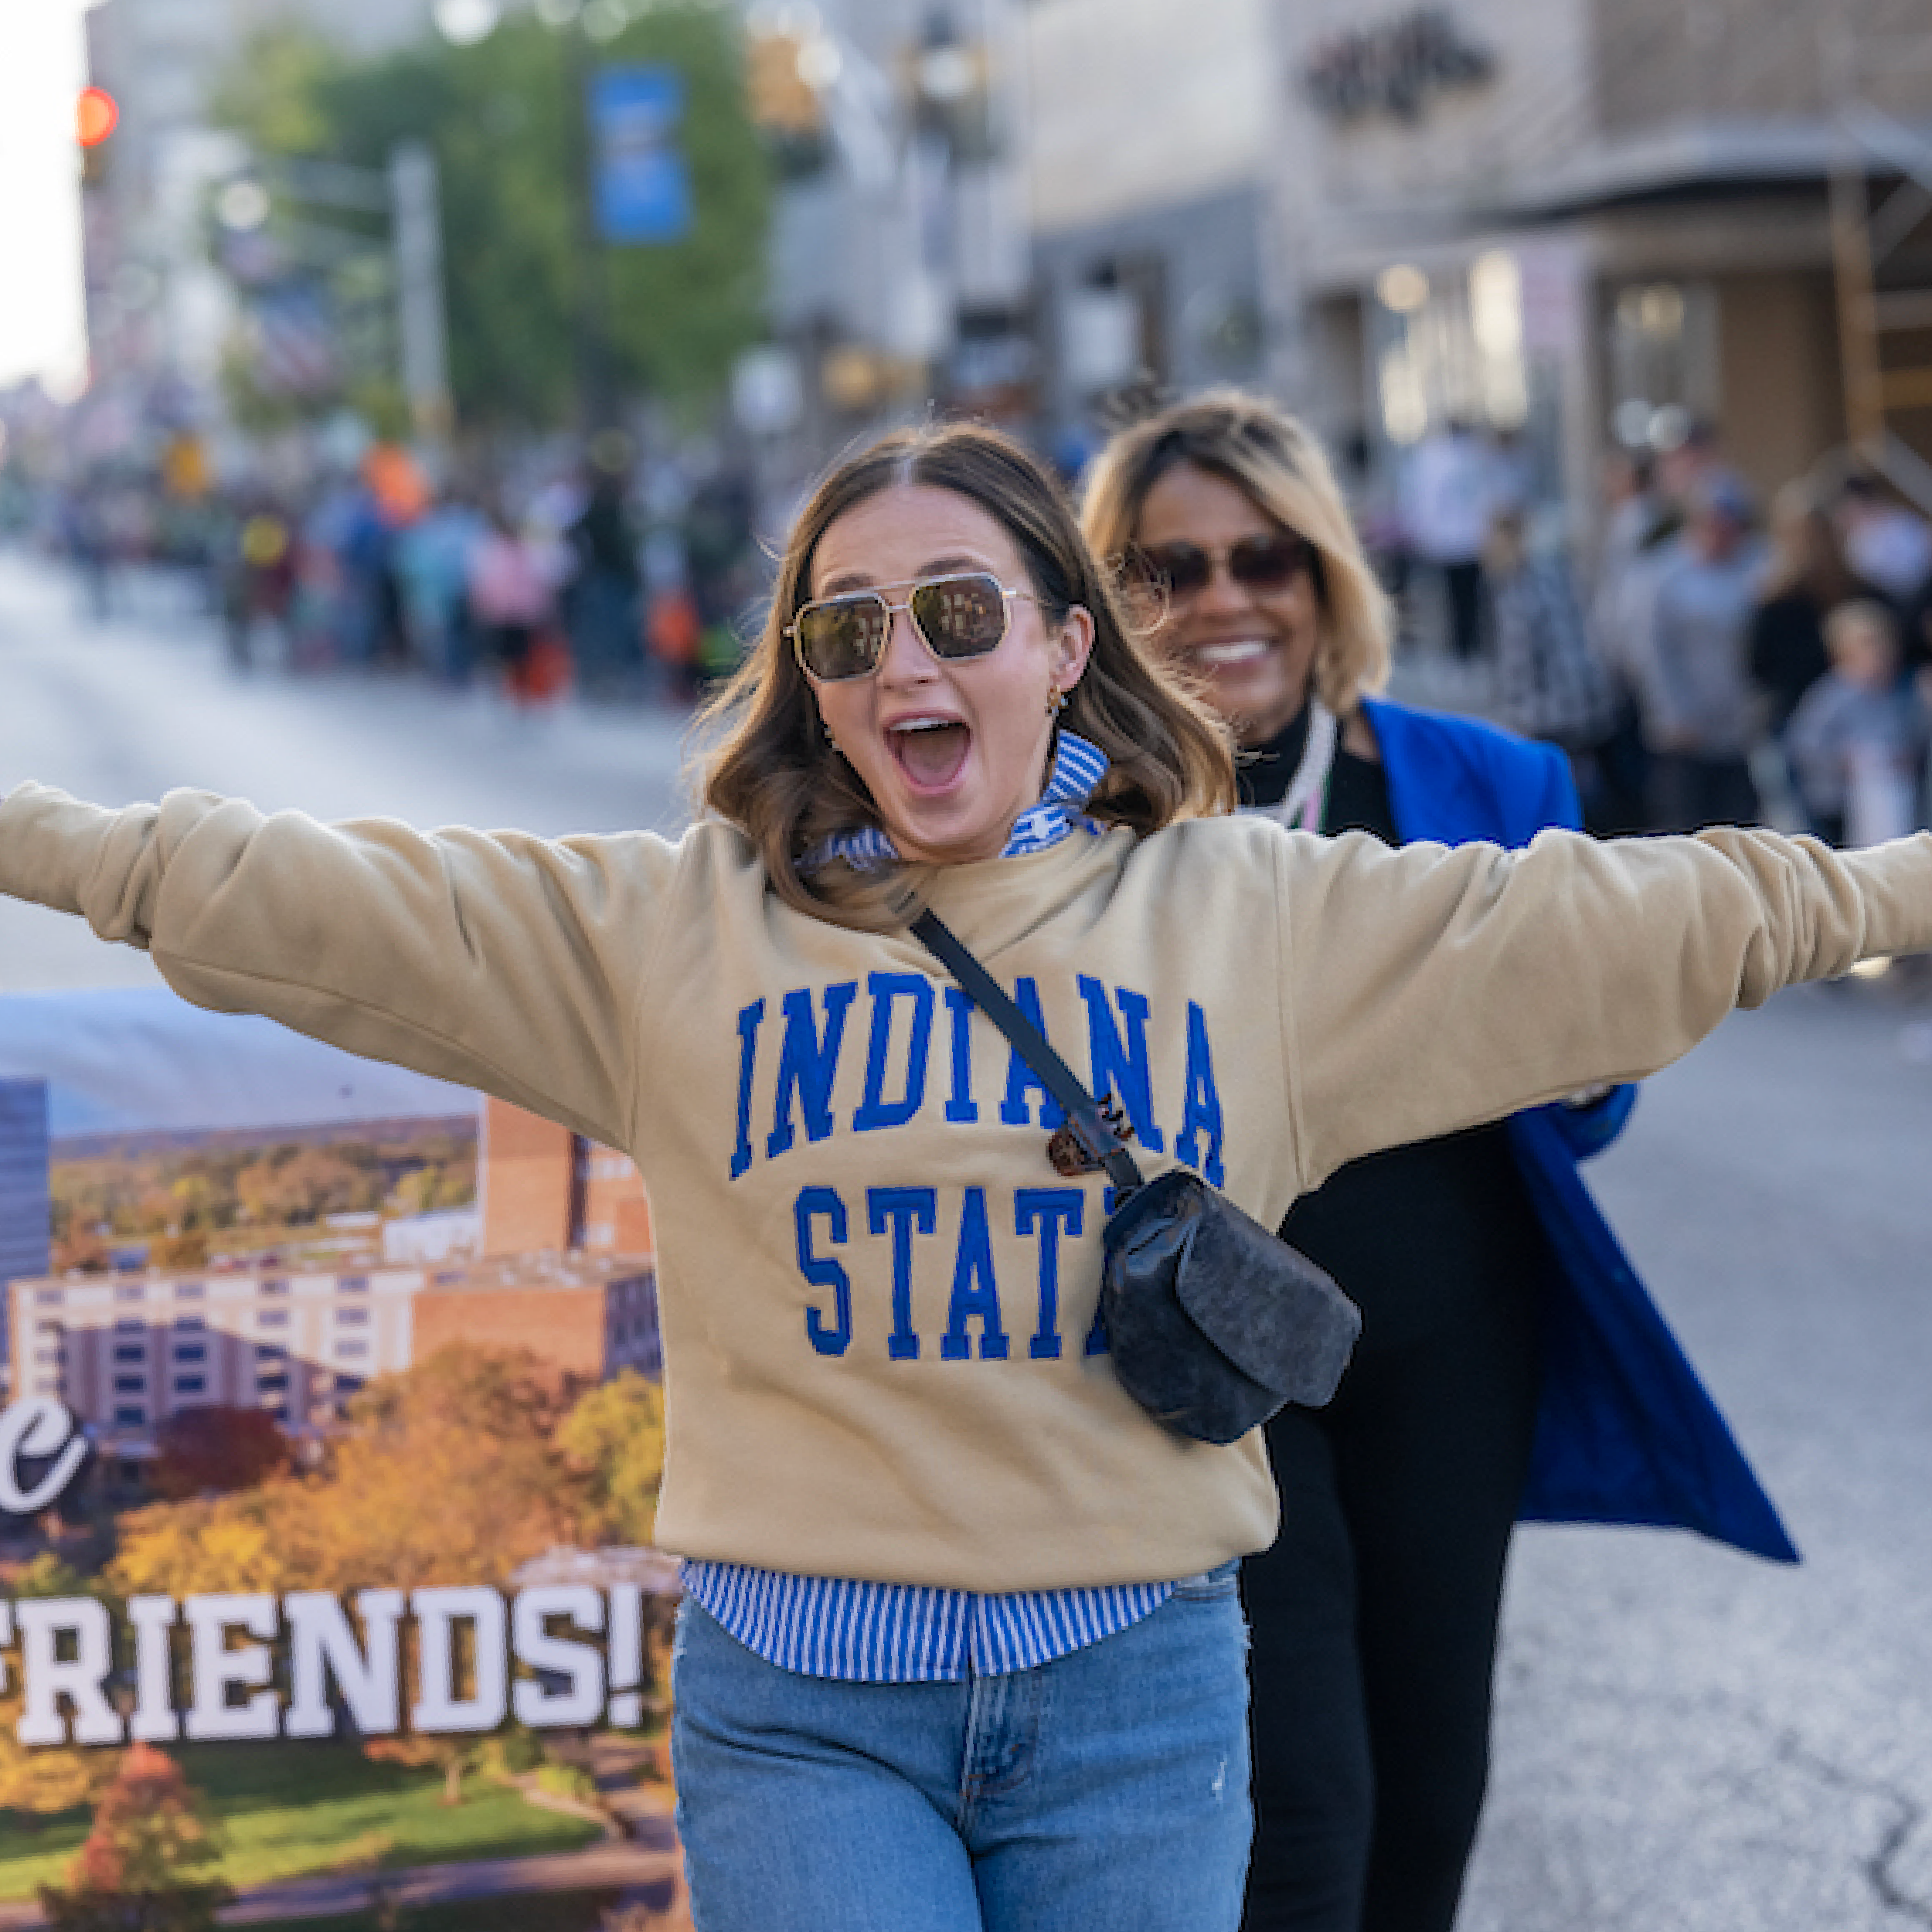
{"points": [[877, 1293]]}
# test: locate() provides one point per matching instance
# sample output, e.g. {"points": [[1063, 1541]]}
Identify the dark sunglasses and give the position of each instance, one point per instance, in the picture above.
{"points": [[956, 617], [1267, 562]]}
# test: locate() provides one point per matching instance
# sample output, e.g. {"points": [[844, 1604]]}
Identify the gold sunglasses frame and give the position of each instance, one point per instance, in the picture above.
{"points": [[875, 593]]}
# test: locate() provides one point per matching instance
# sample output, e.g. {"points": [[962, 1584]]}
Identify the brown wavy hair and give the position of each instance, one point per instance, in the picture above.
{"points": [[775, 775], [1273, 459]]}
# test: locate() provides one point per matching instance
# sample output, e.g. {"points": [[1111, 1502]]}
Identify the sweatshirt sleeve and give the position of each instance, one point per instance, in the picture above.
{"points": [[498, 961], [1428, 990]]}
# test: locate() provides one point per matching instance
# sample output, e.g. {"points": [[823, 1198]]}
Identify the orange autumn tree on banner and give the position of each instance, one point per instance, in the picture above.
{"points": [[458, 1470], [147, 1864]]}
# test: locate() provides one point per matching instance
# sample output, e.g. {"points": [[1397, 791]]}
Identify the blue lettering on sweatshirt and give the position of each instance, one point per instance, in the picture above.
{"points": [[975, 1291], [902, 1209], [887, 989], [814, 1203], [1121, 1027], [807, 1063]]}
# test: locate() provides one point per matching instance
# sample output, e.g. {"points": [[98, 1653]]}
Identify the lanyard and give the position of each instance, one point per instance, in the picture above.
{"points": [[1300, 808]]}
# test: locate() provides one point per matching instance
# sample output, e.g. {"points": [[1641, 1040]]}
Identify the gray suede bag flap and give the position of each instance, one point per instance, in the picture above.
{"points": [[1213, 1323]]}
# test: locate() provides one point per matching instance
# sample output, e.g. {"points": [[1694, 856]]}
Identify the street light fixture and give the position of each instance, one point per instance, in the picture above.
{"points": [[603, 20], [242, 205], [464, 22]]}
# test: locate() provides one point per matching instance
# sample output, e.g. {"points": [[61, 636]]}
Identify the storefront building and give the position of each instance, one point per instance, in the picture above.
{"points": [[1585, 223]]}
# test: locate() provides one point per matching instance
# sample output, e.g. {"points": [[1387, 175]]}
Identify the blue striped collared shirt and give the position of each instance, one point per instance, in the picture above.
{"points": [[907, 1633]]}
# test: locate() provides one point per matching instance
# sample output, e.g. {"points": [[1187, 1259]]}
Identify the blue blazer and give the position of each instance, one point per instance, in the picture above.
{"points": [[1626, 1433]]}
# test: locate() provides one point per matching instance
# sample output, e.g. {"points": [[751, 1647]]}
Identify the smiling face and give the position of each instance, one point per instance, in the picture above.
{"points": [[951, 753], [1252, 650]]}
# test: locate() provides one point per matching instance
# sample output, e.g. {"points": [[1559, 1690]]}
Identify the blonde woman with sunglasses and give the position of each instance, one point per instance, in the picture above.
{"points": [[960, 1649], [1511, 1364]]}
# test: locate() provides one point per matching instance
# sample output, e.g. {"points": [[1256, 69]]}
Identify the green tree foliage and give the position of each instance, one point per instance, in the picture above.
{"points": [[615, 1436], [183, 1202], [147, 1866], [506, 119]]}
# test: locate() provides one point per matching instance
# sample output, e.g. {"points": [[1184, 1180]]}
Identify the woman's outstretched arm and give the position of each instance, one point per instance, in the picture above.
{"points": [[1428, 990], [498, 961]]}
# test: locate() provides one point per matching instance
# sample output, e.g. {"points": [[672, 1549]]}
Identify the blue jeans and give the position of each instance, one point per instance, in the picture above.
{"points": [[1107, 1791]]}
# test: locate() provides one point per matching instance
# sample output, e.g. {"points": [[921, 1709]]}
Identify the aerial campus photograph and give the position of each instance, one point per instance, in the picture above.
{"points": [[284, 1297]]}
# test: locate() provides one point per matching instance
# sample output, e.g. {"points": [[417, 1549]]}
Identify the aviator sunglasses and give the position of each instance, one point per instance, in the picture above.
{"points": [[842, 637], [1268, 561]]}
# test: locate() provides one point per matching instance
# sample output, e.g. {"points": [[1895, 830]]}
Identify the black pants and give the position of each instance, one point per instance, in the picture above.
{"points": [[1463, 583], [1373, 1625]]}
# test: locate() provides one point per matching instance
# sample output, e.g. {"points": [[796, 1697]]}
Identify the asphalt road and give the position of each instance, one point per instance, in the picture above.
{"points": [[1686, 1738]]}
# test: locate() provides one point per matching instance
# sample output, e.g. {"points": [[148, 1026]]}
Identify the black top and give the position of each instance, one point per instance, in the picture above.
{"points": [[1788, 654], [1420, 1236]]}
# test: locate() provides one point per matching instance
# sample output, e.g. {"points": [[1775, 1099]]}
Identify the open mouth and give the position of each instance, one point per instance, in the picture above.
{"points": [[930, 751], [1237, 651]]}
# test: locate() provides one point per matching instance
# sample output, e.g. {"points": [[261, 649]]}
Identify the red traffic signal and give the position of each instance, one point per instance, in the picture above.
{"points": [[97, 115]]}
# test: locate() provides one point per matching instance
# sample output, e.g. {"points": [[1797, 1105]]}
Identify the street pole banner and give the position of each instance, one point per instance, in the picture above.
{"points": [[328, 1466], [641, 188]]}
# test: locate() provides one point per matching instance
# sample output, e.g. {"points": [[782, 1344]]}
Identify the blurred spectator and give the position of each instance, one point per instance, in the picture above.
{"points": [[258, 579], [675, 634], [1916, 633], [509, 596], [1682, 468], [369, 615], [1637, 524], [1447, 495], [1885, 542], [603, 602], [1857, 740], [433, 560], [88, 542], [1512, 472], [1809, 576], [1699, 715], [727, 569], [1550, 683]]}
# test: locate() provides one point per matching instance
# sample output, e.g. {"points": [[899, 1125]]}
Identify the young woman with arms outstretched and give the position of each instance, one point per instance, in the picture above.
{"points": [[961, 1648]]}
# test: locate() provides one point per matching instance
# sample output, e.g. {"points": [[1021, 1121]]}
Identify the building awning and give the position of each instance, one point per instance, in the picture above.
{"points": [[1690, 159]]}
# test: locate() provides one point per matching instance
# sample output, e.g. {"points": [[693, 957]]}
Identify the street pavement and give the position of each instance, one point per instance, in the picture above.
{"points": [[125, 710], [1685, 1738]]}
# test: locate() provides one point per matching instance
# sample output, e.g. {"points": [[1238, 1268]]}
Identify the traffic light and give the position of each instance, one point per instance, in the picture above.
{"points": [[97, 114], [780, 99]]}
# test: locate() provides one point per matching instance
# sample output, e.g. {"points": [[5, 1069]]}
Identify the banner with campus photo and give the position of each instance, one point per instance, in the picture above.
{"points": [[327, 1472]]}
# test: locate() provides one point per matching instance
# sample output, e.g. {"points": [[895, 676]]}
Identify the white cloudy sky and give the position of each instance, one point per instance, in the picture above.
{"points": [[41, 71]]}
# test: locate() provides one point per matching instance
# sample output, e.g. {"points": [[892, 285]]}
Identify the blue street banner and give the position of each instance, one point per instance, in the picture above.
{"points": [[640, 187]]}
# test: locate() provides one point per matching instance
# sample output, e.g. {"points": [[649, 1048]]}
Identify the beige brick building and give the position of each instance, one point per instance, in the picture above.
{"points": [[565, 1270], [1603, 216]]}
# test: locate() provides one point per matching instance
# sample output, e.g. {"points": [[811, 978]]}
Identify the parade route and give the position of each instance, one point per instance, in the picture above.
{"points": [[1687, 1740]]}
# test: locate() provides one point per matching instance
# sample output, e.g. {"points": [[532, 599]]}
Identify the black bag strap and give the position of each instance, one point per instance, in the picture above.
{"points": [[1030, 1044]]}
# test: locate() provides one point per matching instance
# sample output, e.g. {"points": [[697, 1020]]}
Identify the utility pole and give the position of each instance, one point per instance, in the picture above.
{"points": [[416, 236]]}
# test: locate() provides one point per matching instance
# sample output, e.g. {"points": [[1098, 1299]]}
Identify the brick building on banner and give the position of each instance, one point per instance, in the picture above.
{"points": [[562, 1266]]}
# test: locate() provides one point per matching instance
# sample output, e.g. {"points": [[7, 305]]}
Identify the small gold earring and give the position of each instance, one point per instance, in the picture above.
{"points": [[1055, 701]]}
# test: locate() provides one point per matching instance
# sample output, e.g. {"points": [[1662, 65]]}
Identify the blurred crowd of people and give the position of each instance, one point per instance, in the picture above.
{"points": [[1723, 664], [619, 580], [1721, 661]]}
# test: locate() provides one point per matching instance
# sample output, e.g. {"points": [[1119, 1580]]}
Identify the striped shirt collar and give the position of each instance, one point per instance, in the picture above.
{"points": [[1077, 769]]}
